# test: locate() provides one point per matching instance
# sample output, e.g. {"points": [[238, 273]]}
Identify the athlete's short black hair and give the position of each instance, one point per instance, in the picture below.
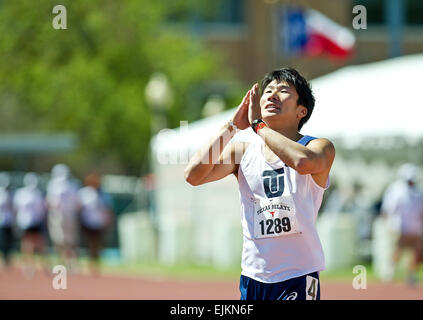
{"points": [[293, 77]]}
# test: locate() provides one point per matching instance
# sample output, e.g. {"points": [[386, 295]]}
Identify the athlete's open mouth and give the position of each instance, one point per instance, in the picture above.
{"points": [[271, 106]]}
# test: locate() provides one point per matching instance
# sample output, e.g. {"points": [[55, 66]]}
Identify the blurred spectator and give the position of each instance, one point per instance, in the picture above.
{"points": [[345, 200], [62, 202], [361, 206], [30, 208], [352, 201], [7, 218], [403, 207], [96, 216]]}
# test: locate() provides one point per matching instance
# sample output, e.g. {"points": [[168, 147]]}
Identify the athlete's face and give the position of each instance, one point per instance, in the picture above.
{"points": [[279, 101]]}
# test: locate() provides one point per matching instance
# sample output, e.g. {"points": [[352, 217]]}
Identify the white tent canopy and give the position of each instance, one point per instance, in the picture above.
{"points": [[373, 100], [379, 99]]}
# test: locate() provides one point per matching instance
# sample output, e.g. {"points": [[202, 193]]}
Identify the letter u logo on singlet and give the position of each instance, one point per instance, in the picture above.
{"points": [[273, 182]]}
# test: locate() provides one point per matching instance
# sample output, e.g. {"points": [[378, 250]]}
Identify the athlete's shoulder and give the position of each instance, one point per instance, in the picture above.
{"points": [[319, 140], [322, 144]]}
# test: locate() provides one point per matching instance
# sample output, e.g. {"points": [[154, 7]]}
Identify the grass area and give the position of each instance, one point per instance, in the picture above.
{"points": [[177, 271], [210, 273], [205, 272], [347, 275], [151, 269]]}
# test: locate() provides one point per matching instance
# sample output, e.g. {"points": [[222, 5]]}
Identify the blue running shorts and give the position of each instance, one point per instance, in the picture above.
{"points": [[306, 287]]}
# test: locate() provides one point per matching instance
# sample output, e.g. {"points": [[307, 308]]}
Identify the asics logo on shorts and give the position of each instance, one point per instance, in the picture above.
{"points": [[292, 296]]}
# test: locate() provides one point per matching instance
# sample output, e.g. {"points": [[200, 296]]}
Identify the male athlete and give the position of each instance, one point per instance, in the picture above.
{"points": [[282, 177]]}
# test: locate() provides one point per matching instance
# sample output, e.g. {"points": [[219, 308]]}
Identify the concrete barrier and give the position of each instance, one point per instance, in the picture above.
{"points": [[383, 248], [137, 237], [227, 244], [175, 241], [339, 240]]}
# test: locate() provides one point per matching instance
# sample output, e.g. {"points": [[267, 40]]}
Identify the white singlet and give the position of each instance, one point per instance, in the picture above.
{"points": [[278, 213], [63, 203], [29, 205]]}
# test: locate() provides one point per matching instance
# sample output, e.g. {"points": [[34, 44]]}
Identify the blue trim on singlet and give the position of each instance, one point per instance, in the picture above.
{"points": [[306, 139]]}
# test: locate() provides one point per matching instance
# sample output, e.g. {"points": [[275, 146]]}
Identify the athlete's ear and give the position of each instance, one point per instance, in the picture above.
{"points": [[301, 111]]}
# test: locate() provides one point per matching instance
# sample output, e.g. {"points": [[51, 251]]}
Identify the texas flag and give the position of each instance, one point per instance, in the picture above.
{"points": [[308, 32]]}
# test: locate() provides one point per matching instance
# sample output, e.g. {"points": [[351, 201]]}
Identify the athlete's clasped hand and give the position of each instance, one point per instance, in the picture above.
{"points": [[254, 111], [249, 109]]}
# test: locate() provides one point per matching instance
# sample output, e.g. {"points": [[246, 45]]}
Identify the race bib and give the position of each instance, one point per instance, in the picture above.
{"points": [[275, 218]]}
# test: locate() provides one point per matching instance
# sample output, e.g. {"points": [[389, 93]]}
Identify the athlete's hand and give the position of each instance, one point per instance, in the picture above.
{"points": [[254, 110], [240, 118]]}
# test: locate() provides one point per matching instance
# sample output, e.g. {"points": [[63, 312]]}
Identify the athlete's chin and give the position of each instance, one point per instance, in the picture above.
{"points": [[270, 115]]}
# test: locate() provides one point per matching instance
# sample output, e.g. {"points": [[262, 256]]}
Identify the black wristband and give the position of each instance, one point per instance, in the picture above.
{"points": [[255, 123]]}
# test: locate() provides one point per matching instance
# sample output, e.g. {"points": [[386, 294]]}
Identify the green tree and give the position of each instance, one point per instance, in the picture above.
{"points": [[90, 77]]}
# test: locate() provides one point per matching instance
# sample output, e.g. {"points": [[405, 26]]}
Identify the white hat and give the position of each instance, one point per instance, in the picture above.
{"points": [[60, 170], [408, 172], [30, 179]]}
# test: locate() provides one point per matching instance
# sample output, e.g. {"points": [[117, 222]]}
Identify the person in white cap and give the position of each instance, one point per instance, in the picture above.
{"points": [[402, 206], [30, 208], [63, 206]]}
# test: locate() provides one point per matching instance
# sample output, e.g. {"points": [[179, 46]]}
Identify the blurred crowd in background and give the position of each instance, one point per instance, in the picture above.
{"points": [[59, 220], [60, 215]]}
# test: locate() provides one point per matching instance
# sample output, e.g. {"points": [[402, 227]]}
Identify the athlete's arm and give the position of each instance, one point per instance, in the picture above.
{"points": [[217, 159], [213, 161], [317, 157]]}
